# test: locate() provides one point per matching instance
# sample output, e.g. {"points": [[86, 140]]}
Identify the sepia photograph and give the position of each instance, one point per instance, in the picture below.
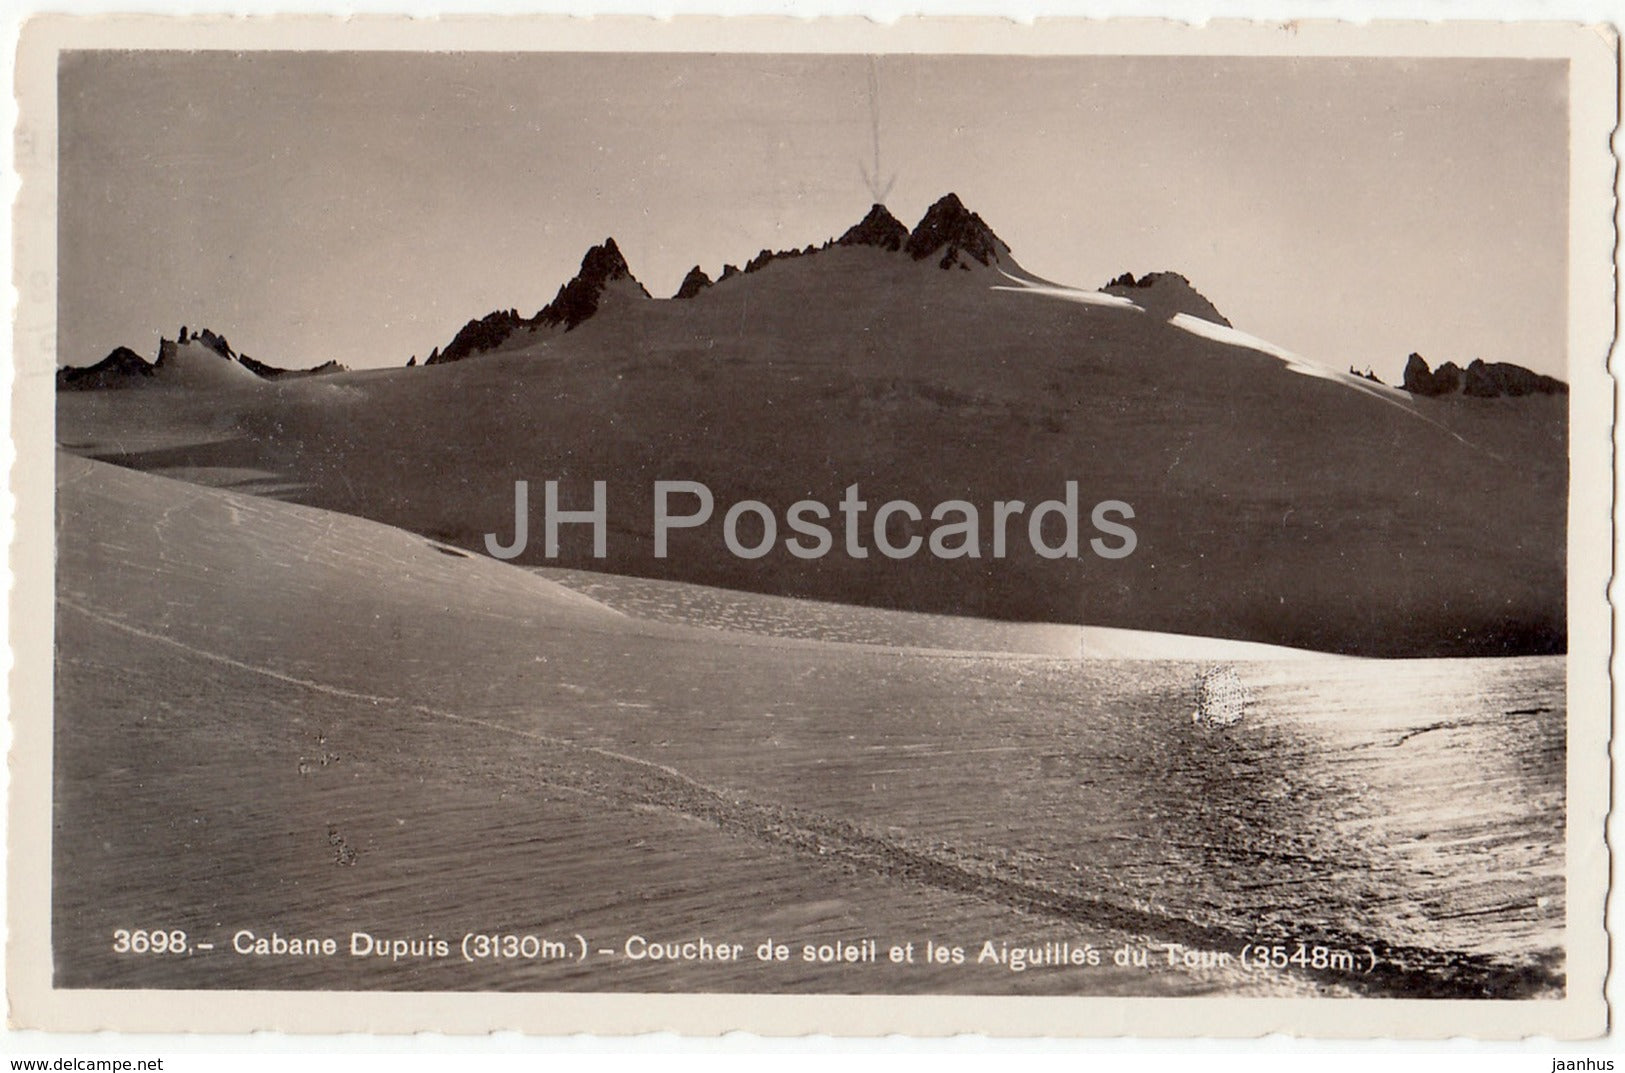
{"points": [[824, 520]]}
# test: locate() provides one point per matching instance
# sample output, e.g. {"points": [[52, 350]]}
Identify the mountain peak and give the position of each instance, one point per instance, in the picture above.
{"points": [[1165, 294], [603, 263], [879, 228], [121, 368], [578, 299], [960, 234], [602, 267], [693, 283]]}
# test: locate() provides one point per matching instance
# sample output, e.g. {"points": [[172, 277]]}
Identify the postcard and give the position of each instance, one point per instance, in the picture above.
{"points": [[1072, 529]]}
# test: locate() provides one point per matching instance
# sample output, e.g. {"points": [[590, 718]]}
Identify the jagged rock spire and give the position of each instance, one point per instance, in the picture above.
{"points": [[693, 283], [958, 234], [578, 299], [879, 228]]}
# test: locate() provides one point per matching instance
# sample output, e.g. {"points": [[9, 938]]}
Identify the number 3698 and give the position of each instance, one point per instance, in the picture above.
{"points": [[143, 941]]}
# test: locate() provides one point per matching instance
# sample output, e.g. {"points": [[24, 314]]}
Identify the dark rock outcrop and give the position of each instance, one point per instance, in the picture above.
{"points": [[1488, 380], [1481, 380], [259, 368], [576, 302], [480, 335], [578, 299], [762, 260], [693, 283], [1418, 379], [879, 229], [216, 343], [959, 235], [767, 257], [966, 237], [1165, 294], [952, 234], [272, 372], [121, 368]]}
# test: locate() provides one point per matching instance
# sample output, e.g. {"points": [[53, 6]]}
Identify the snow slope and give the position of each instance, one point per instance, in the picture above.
{"points": [[193, 365], [1273, 504], [272, 717]]}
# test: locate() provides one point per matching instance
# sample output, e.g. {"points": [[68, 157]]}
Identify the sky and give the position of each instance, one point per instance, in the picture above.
{"points": [[361, 207]]}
